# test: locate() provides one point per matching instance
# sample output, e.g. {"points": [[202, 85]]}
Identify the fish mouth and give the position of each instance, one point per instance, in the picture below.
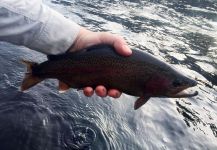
{"points": [[183, 94]]}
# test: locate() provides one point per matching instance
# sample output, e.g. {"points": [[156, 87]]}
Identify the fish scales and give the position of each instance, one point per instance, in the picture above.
{"points": [[141, 74], [92, 69]]}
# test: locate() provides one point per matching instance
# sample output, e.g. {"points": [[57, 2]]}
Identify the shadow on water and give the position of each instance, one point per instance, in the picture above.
{"points": [[62, 2], [213, 128], [192, 120], [205, 8], [29, 125], [21, 123], [190, 116], [200, 42]]}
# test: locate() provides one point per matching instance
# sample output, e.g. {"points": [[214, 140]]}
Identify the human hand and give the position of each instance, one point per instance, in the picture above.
{"points": [[88, 38]]}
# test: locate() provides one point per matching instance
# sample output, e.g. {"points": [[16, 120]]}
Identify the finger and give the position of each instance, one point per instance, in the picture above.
{"points": [[88, 91], [101, 91], [118, 42], [114, 93], [121, 47]]}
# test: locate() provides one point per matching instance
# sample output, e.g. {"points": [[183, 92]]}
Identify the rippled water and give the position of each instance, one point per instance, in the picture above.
{"points": [[180, 32]]}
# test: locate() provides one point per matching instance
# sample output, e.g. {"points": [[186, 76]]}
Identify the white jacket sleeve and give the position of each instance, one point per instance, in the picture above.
{"points": [[36, 26]]}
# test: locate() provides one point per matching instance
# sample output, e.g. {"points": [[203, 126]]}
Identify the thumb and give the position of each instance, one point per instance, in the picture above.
{"points": [[118, 42]]}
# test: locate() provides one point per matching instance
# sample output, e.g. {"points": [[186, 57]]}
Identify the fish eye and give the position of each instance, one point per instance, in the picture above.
{"points": [[177, 83]]}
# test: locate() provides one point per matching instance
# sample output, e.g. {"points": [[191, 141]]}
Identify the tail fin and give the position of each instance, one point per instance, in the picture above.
{"points": [[29, 80]]}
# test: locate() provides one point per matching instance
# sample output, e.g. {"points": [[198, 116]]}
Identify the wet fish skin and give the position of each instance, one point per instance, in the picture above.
{"points": [[140, 74]]}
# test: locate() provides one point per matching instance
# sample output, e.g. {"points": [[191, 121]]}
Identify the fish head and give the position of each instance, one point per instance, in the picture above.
{"points": [[178, 85], [172, 85]]}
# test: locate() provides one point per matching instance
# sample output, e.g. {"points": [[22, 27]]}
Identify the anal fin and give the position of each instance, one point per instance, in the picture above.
{"points": [[63, 87], [140, 101]]}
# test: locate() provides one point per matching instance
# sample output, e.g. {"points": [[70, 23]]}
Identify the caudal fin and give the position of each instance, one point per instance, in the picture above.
{"points": [[29, 80]]}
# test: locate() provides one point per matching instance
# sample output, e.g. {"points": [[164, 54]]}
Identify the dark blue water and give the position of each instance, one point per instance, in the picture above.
{"points": [[180, 32]]}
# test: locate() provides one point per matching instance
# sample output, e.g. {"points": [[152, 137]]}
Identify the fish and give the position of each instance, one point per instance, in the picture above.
{"points": [[140, 74]]}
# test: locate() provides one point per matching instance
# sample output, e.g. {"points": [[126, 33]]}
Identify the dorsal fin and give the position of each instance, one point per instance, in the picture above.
{"points": [[52, 57], [70, 54], [98, 47], [64, 55]]}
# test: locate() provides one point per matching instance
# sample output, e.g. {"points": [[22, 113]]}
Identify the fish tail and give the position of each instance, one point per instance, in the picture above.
{"points": [[29, 79]]}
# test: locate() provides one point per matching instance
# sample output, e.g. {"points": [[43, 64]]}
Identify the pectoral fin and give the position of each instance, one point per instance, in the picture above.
{"points": [[140, 101], [63, 87]]}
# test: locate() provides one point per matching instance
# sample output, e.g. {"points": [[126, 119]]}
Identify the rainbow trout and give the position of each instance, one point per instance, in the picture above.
{"points": [[140, 74]]}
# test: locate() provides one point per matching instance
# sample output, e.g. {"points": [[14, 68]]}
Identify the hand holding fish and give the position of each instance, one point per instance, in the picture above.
{"points": [[140, 74], [88, 38]]}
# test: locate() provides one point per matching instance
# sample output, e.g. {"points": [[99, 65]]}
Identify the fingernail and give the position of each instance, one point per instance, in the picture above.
{"points": [[117, 95], [126, 49]]}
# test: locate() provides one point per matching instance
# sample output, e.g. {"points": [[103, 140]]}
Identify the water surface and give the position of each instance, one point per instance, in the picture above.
{"points": [[179, 32]]}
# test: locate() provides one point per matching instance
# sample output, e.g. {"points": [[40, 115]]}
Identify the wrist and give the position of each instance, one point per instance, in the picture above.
{"points": [[77, 44]]}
